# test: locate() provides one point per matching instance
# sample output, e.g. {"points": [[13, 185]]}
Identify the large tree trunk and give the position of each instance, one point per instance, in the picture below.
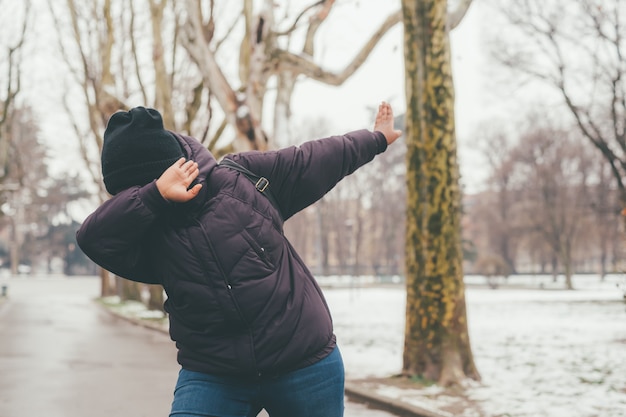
{"points": [[437, 346]]}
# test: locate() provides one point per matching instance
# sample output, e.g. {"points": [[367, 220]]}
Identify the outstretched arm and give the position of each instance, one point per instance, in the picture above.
{"points": [[301, 175]]}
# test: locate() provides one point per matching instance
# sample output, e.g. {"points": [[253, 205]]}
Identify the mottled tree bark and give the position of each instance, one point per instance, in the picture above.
{"points": [[437, 345]]}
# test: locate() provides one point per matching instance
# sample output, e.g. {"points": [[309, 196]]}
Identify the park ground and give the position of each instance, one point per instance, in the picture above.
{"points": [[541, 350]]}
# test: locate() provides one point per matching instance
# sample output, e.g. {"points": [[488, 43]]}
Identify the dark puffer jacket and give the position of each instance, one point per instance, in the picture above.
{"points": [[240, 299]]}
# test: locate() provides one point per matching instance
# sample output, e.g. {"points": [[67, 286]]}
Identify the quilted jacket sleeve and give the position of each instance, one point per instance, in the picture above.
{"points": [[301, 175], [115, 235]]}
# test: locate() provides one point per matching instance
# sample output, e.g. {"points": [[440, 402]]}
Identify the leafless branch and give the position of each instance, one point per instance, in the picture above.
{"points": [[294, 25], [302, 64]]}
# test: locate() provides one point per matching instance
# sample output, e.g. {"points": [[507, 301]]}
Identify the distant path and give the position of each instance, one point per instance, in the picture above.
{"points": [[61, 355]]}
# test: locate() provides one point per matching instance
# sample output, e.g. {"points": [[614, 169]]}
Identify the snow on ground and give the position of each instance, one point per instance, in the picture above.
{"points": [[541, 351]]}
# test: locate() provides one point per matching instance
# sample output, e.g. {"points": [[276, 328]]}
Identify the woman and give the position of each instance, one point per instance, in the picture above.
{"points": [[250, 323]]}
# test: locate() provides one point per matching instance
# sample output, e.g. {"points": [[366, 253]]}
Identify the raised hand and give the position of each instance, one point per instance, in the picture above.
{"points": [[174, 183], [384, 123]]}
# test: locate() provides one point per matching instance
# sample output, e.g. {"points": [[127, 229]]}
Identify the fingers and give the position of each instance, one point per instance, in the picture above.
{"points": [[189, 166], [385, 113], [385, 124], [185, 165], [385, 109], [192, 170], [384, 116], [189, 169], [179, 163]]}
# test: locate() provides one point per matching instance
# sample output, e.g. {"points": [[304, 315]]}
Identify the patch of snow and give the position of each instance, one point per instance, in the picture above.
{"points": [[540, 352]]}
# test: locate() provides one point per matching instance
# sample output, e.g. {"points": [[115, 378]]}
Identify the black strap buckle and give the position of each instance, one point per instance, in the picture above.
{"points": [[262, 184]]}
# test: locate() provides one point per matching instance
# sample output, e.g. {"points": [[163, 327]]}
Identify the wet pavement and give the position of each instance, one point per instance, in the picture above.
{"points": [[63, 355]]}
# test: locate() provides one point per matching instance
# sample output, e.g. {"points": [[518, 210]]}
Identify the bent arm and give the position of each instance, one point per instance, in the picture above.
{"points": [[115, 236]]}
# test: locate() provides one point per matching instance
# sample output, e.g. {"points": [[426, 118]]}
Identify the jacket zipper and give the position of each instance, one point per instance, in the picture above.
{"points": [[230, 292]]}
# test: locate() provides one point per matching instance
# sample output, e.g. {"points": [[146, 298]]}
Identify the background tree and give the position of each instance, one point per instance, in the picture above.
{"points": [[38, 201], [387, 211], [437, 345], [549, 196], [117, 56], [14, 22], [357, 228], [556, 191], [24, 166], [496, 208], [577, 48], [604, 204], [50, 241]]}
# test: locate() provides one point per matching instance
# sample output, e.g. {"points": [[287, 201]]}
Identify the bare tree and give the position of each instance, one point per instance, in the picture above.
{"points": [[550, 200], [35, 200], [14, 23], [605, 217], [357, 228], [110, 53], [578, 48], [557, 171], [437, 345], [496, 209], [385, 180], [262, 58]]}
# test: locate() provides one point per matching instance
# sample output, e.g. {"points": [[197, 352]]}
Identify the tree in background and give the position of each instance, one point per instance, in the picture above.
{"points": [[25, 163], [102, 46], [13, 25], [496, 208], [38, 202], [577, 48], [357, 228], [437, 345], [604, 204], [387, 179], [550, 197], [555, 194]]}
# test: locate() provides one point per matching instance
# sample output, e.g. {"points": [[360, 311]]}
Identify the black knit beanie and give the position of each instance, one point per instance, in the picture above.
{"points": [[136, 149]]}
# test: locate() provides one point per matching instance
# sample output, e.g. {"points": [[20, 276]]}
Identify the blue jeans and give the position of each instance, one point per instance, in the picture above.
{"points": [[314, 391]]}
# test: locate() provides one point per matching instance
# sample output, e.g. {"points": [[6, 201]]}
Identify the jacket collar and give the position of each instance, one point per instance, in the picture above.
{"points": [[195, 151]]}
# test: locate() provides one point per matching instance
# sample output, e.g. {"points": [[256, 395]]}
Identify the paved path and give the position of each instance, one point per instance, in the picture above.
{"points": [[62, 355]]}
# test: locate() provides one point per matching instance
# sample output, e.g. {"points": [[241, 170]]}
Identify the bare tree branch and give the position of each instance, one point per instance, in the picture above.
{"points": [[294, 25], [302, 64]]}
